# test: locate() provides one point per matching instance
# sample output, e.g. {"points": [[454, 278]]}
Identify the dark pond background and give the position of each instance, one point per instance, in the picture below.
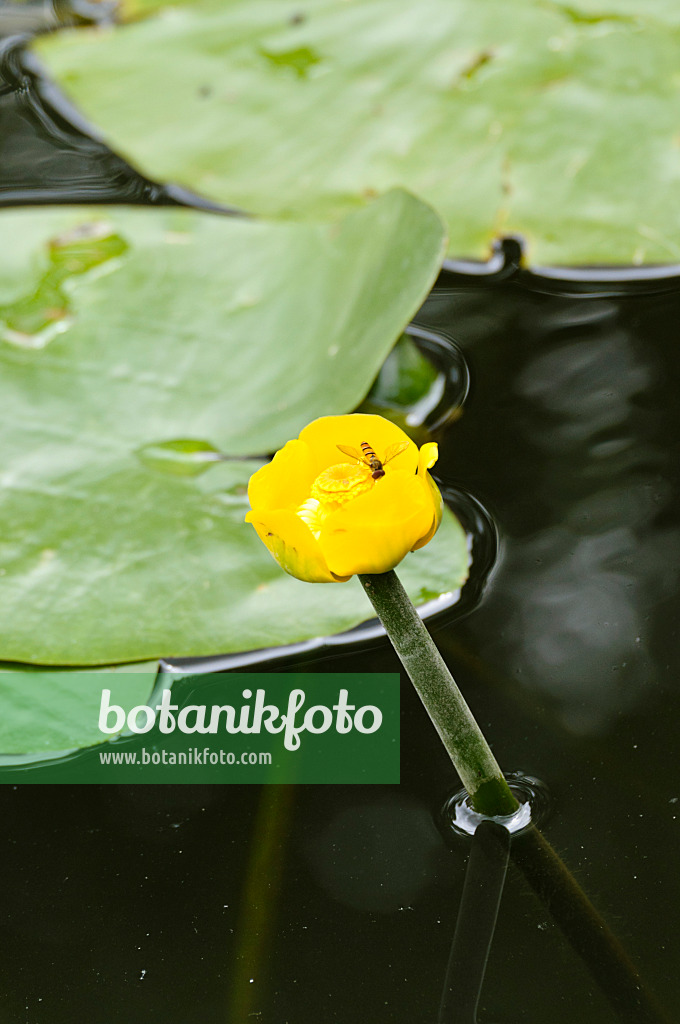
{"points": [[338, 904]]}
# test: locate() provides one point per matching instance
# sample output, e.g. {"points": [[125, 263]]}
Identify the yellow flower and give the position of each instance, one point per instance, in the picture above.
{"points": [[325, 514]]}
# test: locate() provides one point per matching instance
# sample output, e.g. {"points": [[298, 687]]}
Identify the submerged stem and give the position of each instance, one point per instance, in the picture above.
{"points": [[479, 771]]}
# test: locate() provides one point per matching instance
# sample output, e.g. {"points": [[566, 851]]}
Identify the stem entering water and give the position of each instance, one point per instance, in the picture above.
{"points": [[479, 771]]}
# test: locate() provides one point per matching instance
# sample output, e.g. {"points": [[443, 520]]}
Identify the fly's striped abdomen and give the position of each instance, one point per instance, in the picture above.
{"points": [[370, 459], [373, 461]]}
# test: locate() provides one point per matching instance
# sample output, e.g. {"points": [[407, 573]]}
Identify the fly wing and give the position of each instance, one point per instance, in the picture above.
{"points": [[352, 452], [394, 450]]}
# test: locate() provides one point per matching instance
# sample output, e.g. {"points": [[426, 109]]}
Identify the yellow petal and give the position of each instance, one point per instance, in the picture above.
{"points": [[291, 543], [438, 510], [426, 458], [325, 434], [373, 533], [286, 481]]}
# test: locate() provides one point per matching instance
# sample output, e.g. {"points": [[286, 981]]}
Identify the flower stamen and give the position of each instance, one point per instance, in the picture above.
{"points": [[332, 489], [341, 483]]}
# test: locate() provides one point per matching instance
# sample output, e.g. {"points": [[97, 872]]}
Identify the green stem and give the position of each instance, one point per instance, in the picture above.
{"points": [[478, 769]]}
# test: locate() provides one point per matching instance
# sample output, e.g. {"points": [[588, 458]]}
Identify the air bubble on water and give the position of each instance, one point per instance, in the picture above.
{"points": [[534, 804]]}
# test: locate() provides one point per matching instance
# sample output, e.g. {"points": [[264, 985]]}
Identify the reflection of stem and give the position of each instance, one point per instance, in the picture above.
{"points": [[587, 932], [478, 769], [484, 880], [559, 890], [257, 911]]}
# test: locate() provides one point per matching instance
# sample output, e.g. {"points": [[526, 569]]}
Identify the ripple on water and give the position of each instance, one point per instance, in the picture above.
{"points": [[458, 816]]}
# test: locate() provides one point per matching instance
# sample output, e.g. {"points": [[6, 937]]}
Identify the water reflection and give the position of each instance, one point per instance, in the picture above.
{"points": [[590, 545], [377, 857], [46, 16], [579, 616], [479, 905], [50, 154]]}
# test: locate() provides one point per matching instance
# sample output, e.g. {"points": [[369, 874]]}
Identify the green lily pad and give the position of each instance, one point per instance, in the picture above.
{"points": [[185, 336], [556, 121], [43, 714]]}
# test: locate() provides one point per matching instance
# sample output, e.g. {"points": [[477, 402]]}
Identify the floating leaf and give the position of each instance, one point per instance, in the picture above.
{"points": [[231, 332], [553, 120], [43, 713]]}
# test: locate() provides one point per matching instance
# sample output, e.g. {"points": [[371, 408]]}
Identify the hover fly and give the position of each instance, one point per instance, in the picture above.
{"points": [[370, 459]]}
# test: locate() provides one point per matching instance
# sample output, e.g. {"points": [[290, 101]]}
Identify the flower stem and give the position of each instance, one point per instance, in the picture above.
{"points": [[471, 755]]}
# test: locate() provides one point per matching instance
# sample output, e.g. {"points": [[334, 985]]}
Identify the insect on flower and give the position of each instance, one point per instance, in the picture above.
{"points": [[370, 459], [325, 518]]}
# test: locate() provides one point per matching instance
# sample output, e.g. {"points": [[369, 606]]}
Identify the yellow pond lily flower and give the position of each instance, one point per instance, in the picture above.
{"points": [[351, 495]]}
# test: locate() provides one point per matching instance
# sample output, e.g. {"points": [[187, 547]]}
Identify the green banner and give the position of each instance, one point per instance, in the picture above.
{"points": [[122, 727]]}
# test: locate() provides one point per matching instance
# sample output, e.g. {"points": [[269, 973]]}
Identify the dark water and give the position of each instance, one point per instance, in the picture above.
{"points": [[48, 154], [338, 904]]}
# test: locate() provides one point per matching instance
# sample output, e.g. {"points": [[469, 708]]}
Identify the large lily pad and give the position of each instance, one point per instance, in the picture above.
{"points": [[557, 121], [133, 352]]}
